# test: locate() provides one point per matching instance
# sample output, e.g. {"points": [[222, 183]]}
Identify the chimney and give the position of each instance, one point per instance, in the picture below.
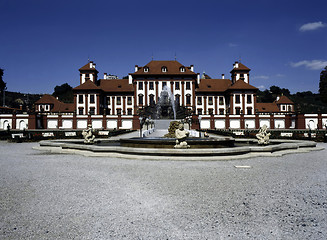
{"points": [[105, 76], [236, 65], [277, 98], [136, 68], [91, 64], [222, 76], [192, 68]]}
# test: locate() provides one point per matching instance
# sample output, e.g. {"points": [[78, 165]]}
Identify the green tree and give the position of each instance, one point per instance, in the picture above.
{"points": [[64, 93], [323, 85]]}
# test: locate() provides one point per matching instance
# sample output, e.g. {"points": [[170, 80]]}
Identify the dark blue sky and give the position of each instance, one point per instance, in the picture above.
{"points": [[44, 43]]}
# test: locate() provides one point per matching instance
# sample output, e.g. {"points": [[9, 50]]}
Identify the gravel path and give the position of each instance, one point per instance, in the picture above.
{"points": [[48, 196]]}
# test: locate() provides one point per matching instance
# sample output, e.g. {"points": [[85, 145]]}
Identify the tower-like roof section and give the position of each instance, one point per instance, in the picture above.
{"points": [[241, 85], [90, 66], [237, 66], [88, 85]]}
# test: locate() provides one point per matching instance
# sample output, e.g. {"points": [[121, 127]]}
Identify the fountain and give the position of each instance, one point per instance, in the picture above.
{"points": [[166, 100], [160, 148]]}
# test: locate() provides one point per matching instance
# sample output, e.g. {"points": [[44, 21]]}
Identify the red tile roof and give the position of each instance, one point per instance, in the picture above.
{"points": [[267, 107], [116, 85], [155, 67], [47, 99], [64, 107], [88, 85], [284, 100], [213, 85], [58, 106], [241, 85]]}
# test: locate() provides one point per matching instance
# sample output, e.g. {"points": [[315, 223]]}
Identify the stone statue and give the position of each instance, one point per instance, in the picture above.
{"points": [[263, 136], [88, 135], [181, 135]]}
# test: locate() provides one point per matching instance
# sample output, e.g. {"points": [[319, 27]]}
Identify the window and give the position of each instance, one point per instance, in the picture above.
{"points": [[164, 84], [249, 98], [199, 111], [108, 100], [210, 100], [210, 110], [92, 98], [177, 86], [151, 86], [92, 111], [164, 69], [146, 69], [242, 76], [87, 75], [140, 99], [108, 111], [237, 99], [177, 99], [290, 108], [140, 85], [118, 111], [151, 98], [249, 111], [118, 100], [188, 86], [129, 100], [129, 111], [80, 111], [199, 101], [284, 108], [237, 111], [188, 99], [80, 98], [221, 100], [182, 69], [221, 111]]}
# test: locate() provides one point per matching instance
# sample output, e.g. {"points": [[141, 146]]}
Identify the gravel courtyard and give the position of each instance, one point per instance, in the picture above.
{"points": [[52, 196]]}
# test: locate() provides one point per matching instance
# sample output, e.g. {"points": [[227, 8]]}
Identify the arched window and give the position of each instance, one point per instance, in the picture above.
{"points": [[151, 99], [177, 99], [164, 69], [140, 99], [146, 69], [188, 99], [182, 69]]}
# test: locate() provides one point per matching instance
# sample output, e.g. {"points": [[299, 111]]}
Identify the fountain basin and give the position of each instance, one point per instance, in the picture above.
{"points": [[248, 149], [158, 142]]}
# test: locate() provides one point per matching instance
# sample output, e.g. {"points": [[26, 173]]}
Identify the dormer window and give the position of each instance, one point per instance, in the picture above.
{"points": [[146, 69], [182, 69], [164, 69]]}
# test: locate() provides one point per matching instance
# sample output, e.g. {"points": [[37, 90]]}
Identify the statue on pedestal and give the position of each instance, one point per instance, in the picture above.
{"points": [[88, 135], [181, 135], [263, 136]]}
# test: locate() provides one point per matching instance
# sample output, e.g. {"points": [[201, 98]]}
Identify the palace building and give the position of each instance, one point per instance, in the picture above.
{"points": [[163, 89], [158, 89]]}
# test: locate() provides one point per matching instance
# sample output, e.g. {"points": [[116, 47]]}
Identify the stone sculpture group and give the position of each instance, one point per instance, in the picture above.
{"points": [[181, 135], [88, 135], [263, 136]]}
